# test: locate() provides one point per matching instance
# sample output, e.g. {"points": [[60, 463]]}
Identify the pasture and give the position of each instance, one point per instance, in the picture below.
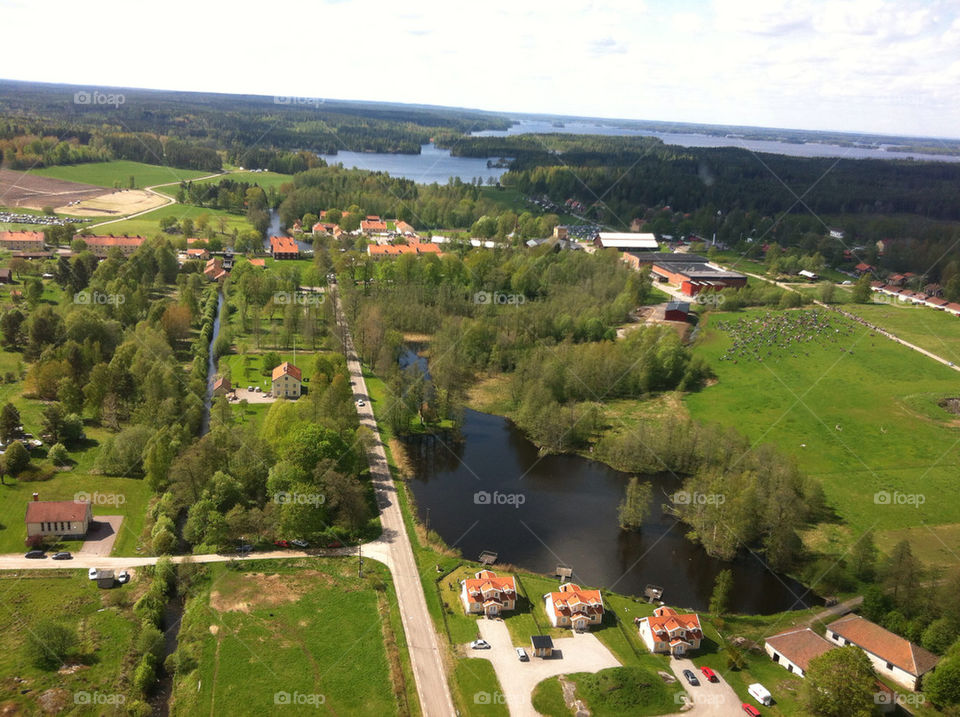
{"points": [[264, 179], [935, 331], [118, 173]]}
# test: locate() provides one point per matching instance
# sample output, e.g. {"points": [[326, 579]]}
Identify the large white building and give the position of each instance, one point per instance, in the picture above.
{"points": [[627, 241], [892, 656]]}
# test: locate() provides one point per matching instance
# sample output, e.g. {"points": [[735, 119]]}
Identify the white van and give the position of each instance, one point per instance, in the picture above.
{"points": [[760, 693]]}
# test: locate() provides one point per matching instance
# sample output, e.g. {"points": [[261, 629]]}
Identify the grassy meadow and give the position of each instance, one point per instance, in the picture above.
{"points": [[105, 174]]}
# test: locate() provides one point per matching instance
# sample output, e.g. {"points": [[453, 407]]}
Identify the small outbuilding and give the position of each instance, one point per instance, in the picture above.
{"points": [[105, 578], [677, 311], [542, 645]]}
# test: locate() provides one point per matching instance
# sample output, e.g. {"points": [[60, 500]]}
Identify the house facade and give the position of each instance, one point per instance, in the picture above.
{"points": [[22, 241], [794, 649], [101, 245], [891, 655], [286, 381], [488, 594], [667, 631], [572, 606], [284, 248], [61, 518]]}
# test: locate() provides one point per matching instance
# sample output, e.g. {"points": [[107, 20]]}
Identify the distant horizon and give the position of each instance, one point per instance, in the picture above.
{"points": [[515, 115]]}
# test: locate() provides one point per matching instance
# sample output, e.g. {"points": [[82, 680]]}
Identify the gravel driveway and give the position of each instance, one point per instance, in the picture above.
{"points": [[710, 698], [101, 535]]}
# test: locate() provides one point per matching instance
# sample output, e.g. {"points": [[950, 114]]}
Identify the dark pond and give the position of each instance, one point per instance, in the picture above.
{"points": [[494, 491]]}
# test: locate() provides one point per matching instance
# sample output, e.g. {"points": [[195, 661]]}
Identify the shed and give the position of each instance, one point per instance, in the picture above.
{"points": [[676, 311], [542, 645], [6, 277], [105, 578]]}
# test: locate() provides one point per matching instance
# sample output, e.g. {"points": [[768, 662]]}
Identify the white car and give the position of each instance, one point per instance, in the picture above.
{"points": [[300, 543], [123, 577], [92, 573], [361, 403], [479, 645]]}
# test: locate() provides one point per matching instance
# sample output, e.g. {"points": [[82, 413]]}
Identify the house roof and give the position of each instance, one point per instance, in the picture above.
{"points": [[800, 646], [485, 581], [112, 241], [286, 369], [952, 306], [6, 273], [884, 644], [398, 249], [649, 257], [222, 382], [863, 267], [258, 262], [283, 245], [404, 228], [683, 306], [541, 642], [626, 240], [937, 301], [666, 619], [572, 595], [44, 511], [21, 236], [196, 252]]}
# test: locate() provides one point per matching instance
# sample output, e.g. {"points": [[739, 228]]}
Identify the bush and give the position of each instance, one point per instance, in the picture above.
{"points": [[16, 458], [58, 455], [145, 676]]}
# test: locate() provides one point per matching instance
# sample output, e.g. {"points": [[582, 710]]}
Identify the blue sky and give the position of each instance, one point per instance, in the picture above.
{"points": [[855, 65]]}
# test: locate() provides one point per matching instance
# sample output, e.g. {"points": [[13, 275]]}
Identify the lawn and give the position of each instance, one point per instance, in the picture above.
{"points": [[306, 632], [103, 621], [148, 225], [855, 410], [105, 174], [935, 331], [472, 679], [625, 691], [264, 179]]}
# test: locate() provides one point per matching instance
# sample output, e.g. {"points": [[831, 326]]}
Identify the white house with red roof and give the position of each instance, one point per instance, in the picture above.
{"points": [[670, 632], [62, 518], [488, 593], [286, 381], [572, 606]]}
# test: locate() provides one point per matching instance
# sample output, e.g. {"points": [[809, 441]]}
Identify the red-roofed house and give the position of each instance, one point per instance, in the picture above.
{"points": [[101, 245], [22, 241], [64, 518], [221, 386], [953, 307], [381, 251], [571, 606], [794, 649], [405, 229], [286, 381], [373, 225], [936, 302], [214, 269], [669, 631], [327, 228], [892, 656], [258, 262], [489, 594], [863, 268], [202, 254], [284, 248]]}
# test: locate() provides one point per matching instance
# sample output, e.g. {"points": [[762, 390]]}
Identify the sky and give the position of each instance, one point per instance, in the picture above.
{"points": [[881, 66]]}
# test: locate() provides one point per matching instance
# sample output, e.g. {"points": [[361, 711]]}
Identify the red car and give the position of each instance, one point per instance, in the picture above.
{"points": [[335, 544], [709, 674], [282, 543], [750, 710]]}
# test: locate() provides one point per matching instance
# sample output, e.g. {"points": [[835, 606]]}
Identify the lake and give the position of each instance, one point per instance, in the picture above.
{"points": [[494, 491], [431, 165], [809, 149]]}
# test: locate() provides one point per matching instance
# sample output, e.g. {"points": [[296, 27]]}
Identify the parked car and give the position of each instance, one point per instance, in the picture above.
{"points": [[256, 389], [243, 549], [691, 678], [750, 710], [123, 577], [250, 388], [760, 693], [361, 403], [35, 554], [92, 573], [334, 544], [709, 674], [62, 555], [300, 543], [282, 543], [522, 654], [480, 645]]}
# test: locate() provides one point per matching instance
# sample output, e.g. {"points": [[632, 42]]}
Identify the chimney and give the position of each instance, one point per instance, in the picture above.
{"points": [[36, 496]]}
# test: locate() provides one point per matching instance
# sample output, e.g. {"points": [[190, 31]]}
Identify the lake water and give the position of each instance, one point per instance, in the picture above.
{"points": [[494, 491], [431, 165], [809, 149]]}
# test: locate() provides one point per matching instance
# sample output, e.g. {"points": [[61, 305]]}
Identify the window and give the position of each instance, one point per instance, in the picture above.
{"points": [[789, 668], [776, 657], [836, 637], [890, 666]]}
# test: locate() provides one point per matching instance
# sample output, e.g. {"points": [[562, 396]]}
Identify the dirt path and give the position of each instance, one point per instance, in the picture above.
{"points": [[837, 610]]}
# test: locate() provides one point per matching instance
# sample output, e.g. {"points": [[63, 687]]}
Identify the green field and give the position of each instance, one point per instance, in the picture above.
{"points": [[859, 414], [104, 174], [935, 331], [264, 179], [148, 225], [271, 631], [105, 626]]}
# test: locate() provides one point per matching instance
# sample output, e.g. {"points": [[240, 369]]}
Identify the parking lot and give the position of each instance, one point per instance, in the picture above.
{"points": [[253, 396], [710, 698], [581, 652]]}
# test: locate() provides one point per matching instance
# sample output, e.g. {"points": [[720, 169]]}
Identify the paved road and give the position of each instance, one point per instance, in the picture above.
{"points": [[837, 610], [426, 657], [578, 653]]}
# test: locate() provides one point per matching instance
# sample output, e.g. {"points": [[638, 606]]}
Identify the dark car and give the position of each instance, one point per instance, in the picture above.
{"points": [[245, 549], [691, 678], [35, 554], [63, 555]]}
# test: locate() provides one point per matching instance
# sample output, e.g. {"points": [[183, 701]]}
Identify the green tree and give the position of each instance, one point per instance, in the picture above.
{"points": [[863, 557], [16, 458], [942, 686], [827, 291], [902, 573], [9, 422], [862, 291], [49, 644], [11, 326], [58, 455], [635, 506], [722, 590], [839, 683]]}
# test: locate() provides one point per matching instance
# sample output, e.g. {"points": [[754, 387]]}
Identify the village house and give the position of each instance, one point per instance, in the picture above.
{"points": [[405, 229], [488, 594], [286, 381], [694, 278], [60, 518], [221, 386], [101, 245], [284, 248], [892, 656], [214, 269], [22, 241], [571, 606], [668, 631], [864, 268], [373, 224], [201, 254], [383, 251], [794, 649]]}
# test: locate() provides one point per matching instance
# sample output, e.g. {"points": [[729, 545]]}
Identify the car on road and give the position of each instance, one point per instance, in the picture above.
{"points": [[35, 554], [479, 645], [691, 678], [123, 577], [361, 403], [62, 555], [334, 544], [92, 573], [522, 655], [750, 709], [300, 543], [709, 674], [282, 543], [250, 389]]}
